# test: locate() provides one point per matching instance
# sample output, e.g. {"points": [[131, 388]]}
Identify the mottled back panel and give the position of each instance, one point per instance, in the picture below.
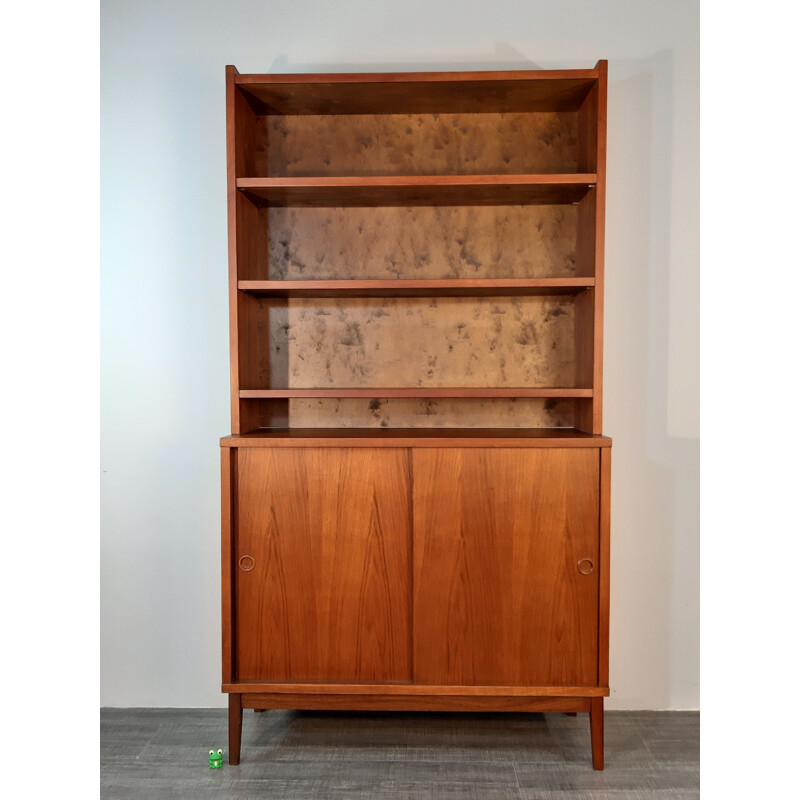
{"points": [[423, 342], [432, 413], [417, 144], [533, 241]]}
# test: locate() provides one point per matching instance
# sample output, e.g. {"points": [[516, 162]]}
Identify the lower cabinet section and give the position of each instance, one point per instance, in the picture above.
{"points": [[415, 578]]}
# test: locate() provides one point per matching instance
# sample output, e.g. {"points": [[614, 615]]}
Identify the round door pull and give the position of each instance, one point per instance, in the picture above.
{"points": [[246, 563], [586, 566]]}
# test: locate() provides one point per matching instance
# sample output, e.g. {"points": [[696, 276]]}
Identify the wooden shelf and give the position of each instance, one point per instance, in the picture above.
{"points": [[423, 392], [417, 288], [433, 437], [422, 190], [418, 92]]}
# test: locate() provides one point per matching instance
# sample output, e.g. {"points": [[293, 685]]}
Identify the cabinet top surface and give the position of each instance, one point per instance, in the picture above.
{"points": [[419, 77], [416, 437]]}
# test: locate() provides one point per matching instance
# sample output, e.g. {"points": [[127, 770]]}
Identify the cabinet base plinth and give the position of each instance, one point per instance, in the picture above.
{"points": [[394, 702], [306, 701]]}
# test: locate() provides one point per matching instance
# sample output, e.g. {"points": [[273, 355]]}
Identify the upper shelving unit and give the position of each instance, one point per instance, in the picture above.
{"points": [[436, 234]]}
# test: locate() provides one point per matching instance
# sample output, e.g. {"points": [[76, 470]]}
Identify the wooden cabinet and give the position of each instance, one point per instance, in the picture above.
{"points": [[415, 493], [426, 573]]}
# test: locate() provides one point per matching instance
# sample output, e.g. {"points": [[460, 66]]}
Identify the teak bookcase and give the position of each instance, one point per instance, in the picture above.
{"points": [[415, 493]]}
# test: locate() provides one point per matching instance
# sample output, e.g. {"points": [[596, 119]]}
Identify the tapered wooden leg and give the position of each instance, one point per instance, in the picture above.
{"points": [[596, 724], [234, 727]]}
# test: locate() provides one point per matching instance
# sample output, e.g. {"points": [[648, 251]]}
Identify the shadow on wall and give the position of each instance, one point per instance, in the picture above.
{"points": [[505, 57], [655, 487]]}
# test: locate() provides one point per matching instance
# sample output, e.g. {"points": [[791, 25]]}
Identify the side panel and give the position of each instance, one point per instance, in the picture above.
{"points": [[605, 564], [498, 595], [323, 564], [228, 457]]}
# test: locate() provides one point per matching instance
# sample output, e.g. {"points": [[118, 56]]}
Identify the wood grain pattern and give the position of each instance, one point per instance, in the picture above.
{"points": [[417, 437], [260, 413], [604, 567], [596, 726], [246, 229], [585, 234], [585, 320], [413, 689], [227, 508], [587, 129], [425, 391], [497, 596], [433, 702], [417, 144], [583, 316], [257, 363], [253, 233], [419, 92], [250, 348], [234, 728], [479, 287], [422, 190], [436, 242], [599, 247], [234, 199], [328, 595]]}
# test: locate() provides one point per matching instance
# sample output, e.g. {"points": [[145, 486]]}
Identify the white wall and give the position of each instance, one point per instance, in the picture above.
{"points": [[164, 313]]}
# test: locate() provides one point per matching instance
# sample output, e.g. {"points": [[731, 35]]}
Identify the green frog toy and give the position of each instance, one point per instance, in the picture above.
{"points": [[215, 759]]}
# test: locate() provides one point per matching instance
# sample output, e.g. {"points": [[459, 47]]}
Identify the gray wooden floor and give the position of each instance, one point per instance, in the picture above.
{"points": [[163, 753]]}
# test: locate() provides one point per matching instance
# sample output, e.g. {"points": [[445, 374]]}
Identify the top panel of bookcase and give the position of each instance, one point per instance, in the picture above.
{"points": [[418, 92]]}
